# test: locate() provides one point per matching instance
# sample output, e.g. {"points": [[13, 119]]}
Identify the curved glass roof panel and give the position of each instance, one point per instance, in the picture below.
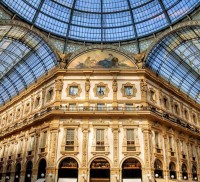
{"points": [[177, 58], [24, 57], [89, 20]]}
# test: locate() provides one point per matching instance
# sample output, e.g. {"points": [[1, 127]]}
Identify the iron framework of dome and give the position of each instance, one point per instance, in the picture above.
{"points": [[102, 20]]}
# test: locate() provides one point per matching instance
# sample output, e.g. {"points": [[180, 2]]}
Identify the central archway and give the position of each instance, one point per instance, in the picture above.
{"points": [[100, 170], [131, 169], [42, 169], [68, 170]]}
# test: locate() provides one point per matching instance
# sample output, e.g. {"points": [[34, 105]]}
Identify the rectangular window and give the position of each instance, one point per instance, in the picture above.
{"points": [[129, 107], [43, 141], [73, 90], [171, 143], [130, 137], [128, 90], [100, 140], [31, 143], [69, 145], [157, 139], [101, 90], [100, 106], [72, 107]]}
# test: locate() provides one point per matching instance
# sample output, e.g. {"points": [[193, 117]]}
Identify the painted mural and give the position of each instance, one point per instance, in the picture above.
{"points": [[101, 59]]}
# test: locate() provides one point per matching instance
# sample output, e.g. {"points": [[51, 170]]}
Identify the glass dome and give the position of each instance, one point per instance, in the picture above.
{"points": [[102, 20]]}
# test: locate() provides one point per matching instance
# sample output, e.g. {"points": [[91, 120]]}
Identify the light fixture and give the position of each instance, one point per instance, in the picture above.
{"points": [[28, 175], [172, 176], [195, 178], [42, 175], [156, 175], [7, 177], [17, 176], [185, 177]]}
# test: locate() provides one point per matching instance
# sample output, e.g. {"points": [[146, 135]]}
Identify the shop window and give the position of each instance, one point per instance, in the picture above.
{"points": [[69, 145], [130, 137], [100, 141]]}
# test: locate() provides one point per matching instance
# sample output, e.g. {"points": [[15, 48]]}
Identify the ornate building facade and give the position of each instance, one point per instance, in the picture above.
{"points": [[90, 112]]}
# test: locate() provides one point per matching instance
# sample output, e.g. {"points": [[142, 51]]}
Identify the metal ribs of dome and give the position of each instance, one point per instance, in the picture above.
{"points": [[102, 20]]}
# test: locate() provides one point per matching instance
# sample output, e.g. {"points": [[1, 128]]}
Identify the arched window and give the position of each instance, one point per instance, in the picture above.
{"points": [[158, 169], [194, 173], [184, 172], [172, 170]]}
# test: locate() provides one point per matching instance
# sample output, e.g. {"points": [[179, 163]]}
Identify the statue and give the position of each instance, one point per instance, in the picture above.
{"points": [[58, 84], [114, 85], [64, 59], [139, 59], [143, 85], [87, 85]]}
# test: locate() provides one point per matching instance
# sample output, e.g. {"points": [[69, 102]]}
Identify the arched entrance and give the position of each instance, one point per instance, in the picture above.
{"points": [[158, 169], [172, 170], [8, 172], [184, 172], [28, 173], [68, 170], [131, 169], [17, 172], [42, 169], [100, 170], [194, 173]]}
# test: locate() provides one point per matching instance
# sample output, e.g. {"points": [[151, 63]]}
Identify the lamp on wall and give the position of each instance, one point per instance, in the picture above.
{"points": [[195, 178], [17, 176], [185, 177], [156, 175], [42, 175], [172, 176], [28, 175], [7, 177]]}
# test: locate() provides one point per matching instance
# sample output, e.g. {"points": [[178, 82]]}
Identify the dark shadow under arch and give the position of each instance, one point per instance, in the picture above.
{"points": [[131, 169], [99, 170], [68, 168], [42, 169]]}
